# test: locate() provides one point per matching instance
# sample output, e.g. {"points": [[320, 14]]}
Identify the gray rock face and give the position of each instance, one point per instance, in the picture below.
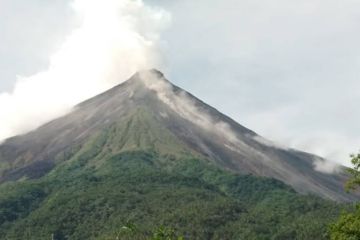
{"points": [[196, 126]]}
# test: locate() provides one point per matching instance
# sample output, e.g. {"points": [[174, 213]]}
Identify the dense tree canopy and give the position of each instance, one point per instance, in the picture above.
{"points": [[87, 199]]}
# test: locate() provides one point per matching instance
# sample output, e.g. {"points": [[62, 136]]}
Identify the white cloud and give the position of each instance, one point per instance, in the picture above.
{"points": [[115, 39]]}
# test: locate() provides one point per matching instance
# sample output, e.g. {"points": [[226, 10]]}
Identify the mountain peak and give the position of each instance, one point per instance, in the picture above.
{"points": [[147, 80], [152, 71], [147, 75]]}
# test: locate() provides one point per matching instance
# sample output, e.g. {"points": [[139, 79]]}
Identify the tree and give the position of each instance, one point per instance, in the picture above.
{"points": [[347, 226], [354, 181]]}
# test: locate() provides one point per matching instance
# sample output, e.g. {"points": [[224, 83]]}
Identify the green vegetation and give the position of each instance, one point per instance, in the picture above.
{"points": [[354, 181], [348, 225], [191, 197], [134, 176]]}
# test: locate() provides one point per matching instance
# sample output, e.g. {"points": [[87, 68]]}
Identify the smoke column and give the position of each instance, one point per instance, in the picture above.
{"points": [[115, 39]]}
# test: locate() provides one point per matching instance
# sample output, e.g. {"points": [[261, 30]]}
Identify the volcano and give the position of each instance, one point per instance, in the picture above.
{"points": [[148, 112], [150, 152]]}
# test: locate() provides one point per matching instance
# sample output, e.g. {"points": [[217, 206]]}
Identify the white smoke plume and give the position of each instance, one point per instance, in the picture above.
{"points": [[115, 39]]}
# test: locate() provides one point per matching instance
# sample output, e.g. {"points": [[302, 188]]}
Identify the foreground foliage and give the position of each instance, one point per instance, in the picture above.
{"points": [[348, 225]]}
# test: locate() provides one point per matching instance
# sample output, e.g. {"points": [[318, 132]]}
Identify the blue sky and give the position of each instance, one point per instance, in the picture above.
{"points": [[288, 70]]}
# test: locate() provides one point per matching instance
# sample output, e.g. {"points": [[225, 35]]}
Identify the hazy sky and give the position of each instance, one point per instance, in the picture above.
{"points": [[287, 69]]}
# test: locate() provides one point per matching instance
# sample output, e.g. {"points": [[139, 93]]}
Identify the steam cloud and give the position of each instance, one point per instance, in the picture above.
{"points": [[115, 39]]}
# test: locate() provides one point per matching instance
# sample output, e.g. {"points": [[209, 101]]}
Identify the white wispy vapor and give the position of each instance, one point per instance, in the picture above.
{"points": [[269, 143], [279, 126], [182, 104], [115, 39], [325, 166]]}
